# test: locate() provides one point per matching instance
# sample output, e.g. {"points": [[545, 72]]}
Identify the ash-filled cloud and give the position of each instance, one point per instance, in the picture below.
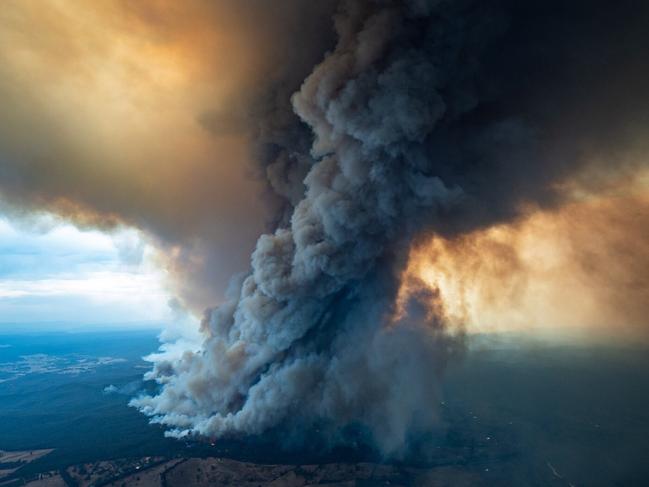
{"points": [[105, 107], [428, 117], [367, 129]]}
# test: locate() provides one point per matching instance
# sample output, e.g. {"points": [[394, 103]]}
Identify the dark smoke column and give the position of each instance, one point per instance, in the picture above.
{"points": [[411, 135]]}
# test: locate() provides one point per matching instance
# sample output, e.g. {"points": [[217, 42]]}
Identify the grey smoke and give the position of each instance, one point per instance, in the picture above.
{"points": [[427, 117], [128, 389]]}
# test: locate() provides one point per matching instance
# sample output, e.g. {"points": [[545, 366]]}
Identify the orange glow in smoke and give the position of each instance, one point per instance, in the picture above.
{"points": [[581, 271]]}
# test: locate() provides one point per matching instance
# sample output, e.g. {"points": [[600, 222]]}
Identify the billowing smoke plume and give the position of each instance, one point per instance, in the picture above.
{"points": [[428, 117]]}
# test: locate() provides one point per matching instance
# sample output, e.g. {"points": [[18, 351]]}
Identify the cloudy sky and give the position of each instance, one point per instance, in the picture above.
{"points": [[53, 273]]}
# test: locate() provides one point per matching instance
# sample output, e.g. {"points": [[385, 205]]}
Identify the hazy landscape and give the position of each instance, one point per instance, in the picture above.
{"points": [[535, 415]]}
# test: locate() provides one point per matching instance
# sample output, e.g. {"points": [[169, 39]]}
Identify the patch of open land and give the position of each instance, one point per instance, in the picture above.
{"points": [[194, 472], [11, 461]]}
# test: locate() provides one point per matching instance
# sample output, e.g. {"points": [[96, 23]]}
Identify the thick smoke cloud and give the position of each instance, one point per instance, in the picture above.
{"points": [[428, 117], [105, 109]]}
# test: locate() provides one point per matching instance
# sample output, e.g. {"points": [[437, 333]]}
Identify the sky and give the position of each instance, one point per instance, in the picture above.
{"points": [[54, 274]]}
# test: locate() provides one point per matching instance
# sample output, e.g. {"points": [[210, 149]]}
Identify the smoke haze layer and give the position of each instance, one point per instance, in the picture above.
{"points": [[575, 273], [427, 118]]}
